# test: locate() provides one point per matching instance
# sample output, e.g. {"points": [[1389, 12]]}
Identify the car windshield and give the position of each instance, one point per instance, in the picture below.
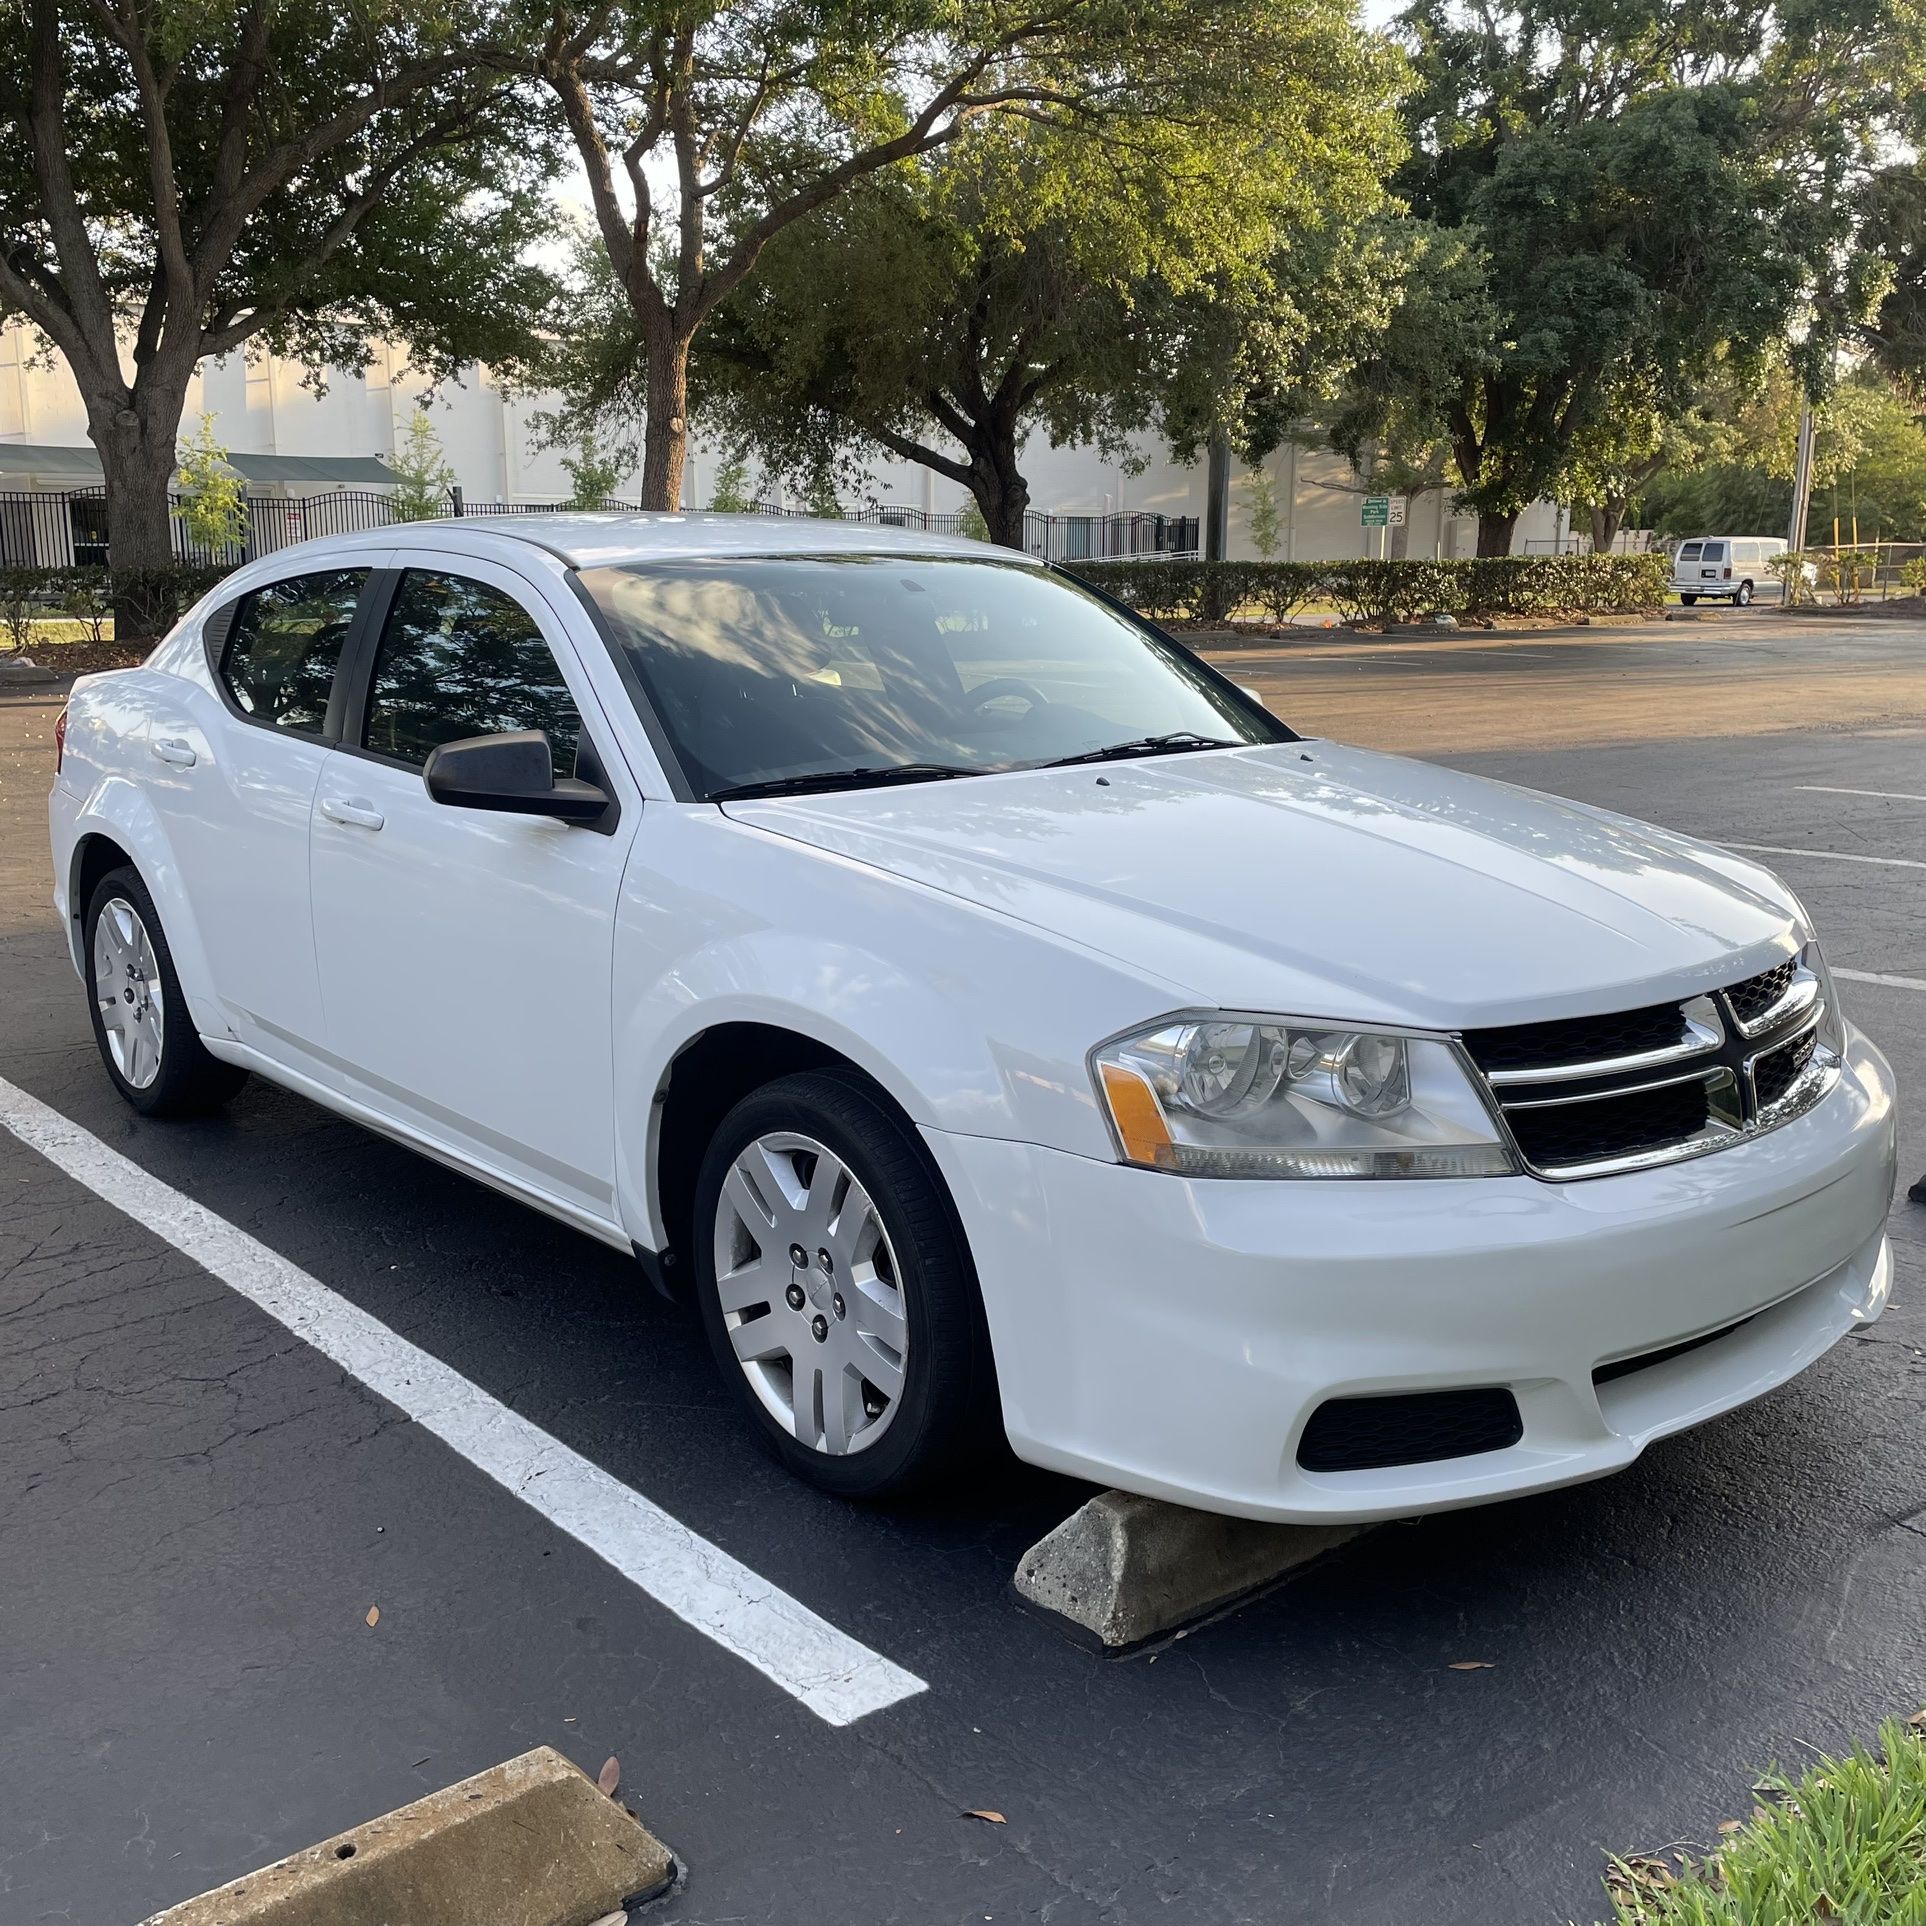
{"points": [[800, 672]]}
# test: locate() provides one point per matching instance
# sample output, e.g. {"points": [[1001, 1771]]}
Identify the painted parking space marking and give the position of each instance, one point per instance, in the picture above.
{"points": [[1830, 789], [837, 1678], [1884, 981], [1829, 855]]}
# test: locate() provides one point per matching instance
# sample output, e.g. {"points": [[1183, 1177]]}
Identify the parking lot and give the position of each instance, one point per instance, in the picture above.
{"points": [[201, 1510]]}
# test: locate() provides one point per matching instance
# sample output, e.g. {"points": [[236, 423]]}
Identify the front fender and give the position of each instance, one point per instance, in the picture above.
{"points": [[121, 811], [974, 1023]]}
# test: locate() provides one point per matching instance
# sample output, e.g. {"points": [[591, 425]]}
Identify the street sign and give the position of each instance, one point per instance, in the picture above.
{"points": [[1397, 511], [1377, 511]]}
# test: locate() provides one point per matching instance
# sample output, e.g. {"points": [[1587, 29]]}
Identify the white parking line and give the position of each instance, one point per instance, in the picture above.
{"points": [[1888, 982], [1829, 855], [834, 1676], [1889, 795]]}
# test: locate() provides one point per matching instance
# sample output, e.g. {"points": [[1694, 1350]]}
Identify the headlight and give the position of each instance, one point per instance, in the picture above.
{"points": [[1263, 1096]]}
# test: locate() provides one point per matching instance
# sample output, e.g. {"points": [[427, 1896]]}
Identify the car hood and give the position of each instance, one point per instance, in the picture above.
{"points": [[1318, 880]]}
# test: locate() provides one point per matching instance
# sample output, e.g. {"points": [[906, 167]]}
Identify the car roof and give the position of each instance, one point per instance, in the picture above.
{"points": [[600, 540]]}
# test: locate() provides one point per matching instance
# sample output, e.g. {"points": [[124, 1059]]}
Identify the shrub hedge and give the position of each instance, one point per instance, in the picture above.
{"points": [[147, 599], [1368, 591]]}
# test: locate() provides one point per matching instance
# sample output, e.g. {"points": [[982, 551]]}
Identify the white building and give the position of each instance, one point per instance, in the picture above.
{"points": [[293, 440]]}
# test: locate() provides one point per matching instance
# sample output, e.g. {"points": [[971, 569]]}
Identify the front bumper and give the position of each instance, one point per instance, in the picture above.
{"points": [[1173, 1337]]}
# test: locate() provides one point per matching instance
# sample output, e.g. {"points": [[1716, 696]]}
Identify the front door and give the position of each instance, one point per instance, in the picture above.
{"points": [[465, 956]]}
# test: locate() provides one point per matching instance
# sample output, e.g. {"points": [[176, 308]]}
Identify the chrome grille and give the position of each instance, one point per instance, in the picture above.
{"points": [[1589, 1096]]}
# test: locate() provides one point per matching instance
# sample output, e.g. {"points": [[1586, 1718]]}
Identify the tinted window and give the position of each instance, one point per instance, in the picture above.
{"points": [[458, 658], [282, 650], [1714, 552], [780, 669], [1688, 551]]}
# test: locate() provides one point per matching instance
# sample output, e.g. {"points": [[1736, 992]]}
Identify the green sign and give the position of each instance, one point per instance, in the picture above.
{"points": [[1377, 511]]}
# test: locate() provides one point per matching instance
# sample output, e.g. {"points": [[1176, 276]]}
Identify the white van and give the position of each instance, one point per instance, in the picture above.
{"points": [[1734, 567]]}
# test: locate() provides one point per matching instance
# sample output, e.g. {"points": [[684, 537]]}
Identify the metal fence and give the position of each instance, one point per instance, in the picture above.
{"points": [[68, 528]]}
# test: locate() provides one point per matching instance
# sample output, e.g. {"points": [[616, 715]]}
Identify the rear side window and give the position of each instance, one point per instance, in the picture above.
{"points": [[284, 645], [458, 658]]}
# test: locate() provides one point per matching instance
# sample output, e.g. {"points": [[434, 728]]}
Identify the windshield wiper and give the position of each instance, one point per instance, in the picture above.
{"points": [[841, 779], [1144, 746]]}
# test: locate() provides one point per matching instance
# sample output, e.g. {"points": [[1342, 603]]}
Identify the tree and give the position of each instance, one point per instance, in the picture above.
{"points": [[729, 495], [1032, 277], [422, 471], [594, 471], [1648, 186], [707, 131], [180, 181], [213, 509], [1260, 511]]}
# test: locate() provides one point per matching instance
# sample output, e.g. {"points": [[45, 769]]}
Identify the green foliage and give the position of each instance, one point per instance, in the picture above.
{"points": [[1079, 280], [1636, 192], [593, 470], [730, 493], [1795, 584], [213, 507], [23, 593], [1375, 591], [84, 595], [156, 597], [1913, 574], [971, 522], [425, 476], [1844, 1842]]}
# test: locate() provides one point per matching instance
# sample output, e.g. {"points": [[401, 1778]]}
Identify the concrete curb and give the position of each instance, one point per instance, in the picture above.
{"points": [[529, 1843], [1125, 1568]]}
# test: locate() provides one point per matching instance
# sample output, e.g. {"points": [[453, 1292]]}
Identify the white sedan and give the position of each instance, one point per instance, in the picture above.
{"points": [[997, 1022]]}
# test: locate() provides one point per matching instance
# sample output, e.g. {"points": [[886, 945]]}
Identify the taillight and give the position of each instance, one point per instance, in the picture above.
{"points": [[60, 738], [1727, 573]]}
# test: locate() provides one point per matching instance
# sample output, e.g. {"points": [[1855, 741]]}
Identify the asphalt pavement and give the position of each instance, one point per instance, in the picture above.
{"points": [[199, 1509]]}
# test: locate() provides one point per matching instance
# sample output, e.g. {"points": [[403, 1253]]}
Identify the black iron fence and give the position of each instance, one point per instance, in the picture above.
{"points": [[68, 528]]}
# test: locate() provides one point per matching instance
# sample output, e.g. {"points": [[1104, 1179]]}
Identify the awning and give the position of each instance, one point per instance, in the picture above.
{"points": [[48, 461]]}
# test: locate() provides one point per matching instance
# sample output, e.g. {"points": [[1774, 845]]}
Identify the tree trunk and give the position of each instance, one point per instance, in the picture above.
{"points": [[1002, 494], [1607, 518], [136, 444], [665, 430], [1495, 532]]}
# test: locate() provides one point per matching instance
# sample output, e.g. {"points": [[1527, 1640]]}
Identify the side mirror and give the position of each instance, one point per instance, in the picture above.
{"points": [[513, 772]]}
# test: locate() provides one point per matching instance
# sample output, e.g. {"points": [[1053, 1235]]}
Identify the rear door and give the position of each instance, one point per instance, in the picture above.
{"points": [[1712, 562], [464, 955], [234, 775]]}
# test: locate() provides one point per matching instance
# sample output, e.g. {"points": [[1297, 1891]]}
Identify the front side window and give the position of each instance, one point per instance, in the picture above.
{"points": [[457, 659], [830, 671], [285, 644]]}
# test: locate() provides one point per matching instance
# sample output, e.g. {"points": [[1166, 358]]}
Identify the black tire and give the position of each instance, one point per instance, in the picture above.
{"points": [[1689, 600], [1742, 596], [946, 1418], [190, 1081]]}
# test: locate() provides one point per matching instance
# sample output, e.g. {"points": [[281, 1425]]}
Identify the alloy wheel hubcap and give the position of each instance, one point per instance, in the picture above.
{"points": [[810, 1296], [127, 988]]}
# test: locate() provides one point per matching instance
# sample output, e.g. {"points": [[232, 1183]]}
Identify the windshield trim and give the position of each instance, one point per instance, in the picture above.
{"points": [[683, 788]]}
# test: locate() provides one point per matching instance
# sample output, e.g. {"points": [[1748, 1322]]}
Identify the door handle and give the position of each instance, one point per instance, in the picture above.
{"points": [[357, 812], [173, 749]]}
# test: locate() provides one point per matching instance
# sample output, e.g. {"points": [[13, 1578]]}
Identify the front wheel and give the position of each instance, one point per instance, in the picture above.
{"points": [[837, 1292], [141, 1024]]}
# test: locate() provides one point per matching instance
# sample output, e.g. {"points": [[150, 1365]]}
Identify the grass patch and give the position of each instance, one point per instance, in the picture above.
{"points": [[1843, 1844]]}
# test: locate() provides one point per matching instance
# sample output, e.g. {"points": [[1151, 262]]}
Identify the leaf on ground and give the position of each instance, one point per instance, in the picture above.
{"points": [[1471, 1665], [1730, 1825], [610, 1776], [374, 1614], [986, 1815]]}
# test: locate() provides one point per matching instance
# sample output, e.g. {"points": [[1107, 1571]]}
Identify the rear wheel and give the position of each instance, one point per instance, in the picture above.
{"points": [[1742, 595], [1689, 600], [837, 1292], [146, 1037]]}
